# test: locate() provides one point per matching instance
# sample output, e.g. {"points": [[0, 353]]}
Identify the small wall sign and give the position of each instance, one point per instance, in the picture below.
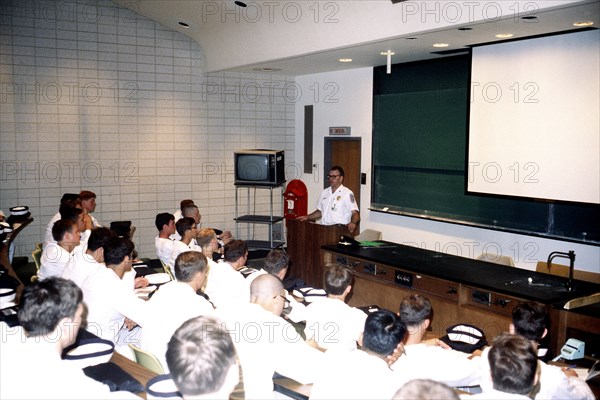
{"points": [[339, 130]]}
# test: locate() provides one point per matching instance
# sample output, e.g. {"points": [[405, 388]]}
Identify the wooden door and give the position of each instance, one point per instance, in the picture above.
{"points": [[346, 153]]}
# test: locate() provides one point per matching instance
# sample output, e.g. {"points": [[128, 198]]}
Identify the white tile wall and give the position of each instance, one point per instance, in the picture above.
{"points": [[94, 97]]}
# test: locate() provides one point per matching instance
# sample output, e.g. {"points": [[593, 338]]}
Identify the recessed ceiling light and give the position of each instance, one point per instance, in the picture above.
{"points": [[184, 24], [345, 60], [385, 53], [240, 3], [266, 69], [465, 29], [441, 45], [583, 23], [504, 35]]}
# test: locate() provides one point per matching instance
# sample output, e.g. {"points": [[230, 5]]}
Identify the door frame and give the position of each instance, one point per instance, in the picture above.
{"points": [[352, 182]]}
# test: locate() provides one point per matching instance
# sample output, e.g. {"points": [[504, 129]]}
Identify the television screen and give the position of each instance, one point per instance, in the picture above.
{"points": [[253, 167]]}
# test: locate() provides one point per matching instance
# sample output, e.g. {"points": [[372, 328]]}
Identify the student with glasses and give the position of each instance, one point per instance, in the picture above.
{"points": [[336, 205]]}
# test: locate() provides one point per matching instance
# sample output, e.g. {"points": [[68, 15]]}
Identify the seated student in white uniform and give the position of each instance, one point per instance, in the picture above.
{"points": [[202, 359], [330, 322], [513, 364], [174, 303], [58, 254], [451, 367], [109, 298], [208, 242], [187, 230], [88, 259], [67, 199], [76, 215], [178, 214], [265, 342], [50, 314], [529, 320], [189, 209], [276, 263], [165, 223], [364, 374], [88, 205], [225, 285]]}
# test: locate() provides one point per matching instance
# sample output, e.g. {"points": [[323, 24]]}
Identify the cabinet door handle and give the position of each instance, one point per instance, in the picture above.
{"points": [[502, 302]]}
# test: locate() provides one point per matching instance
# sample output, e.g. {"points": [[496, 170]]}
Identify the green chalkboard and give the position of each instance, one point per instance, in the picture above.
{"points": [[420, 133]]}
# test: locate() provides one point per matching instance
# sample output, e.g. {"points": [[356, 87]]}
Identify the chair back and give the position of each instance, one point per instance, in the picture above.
{"points": [[369, 235], [497, 259], [167, 270], [147, 360], [36, 254]]}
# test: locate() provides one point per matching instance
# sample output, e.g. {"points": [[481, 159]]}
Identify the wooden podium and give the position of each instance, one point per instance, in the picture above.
{"points": [[304, 241]]}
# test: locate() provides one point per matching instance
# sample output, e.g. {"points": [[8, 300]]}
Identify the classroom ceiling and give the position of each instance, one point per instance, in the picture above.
{"points": [[307, 37]]}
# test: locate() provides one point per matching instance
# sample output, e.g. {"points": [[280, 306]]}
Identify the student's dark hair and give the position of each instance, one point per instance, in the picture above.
{"points": [[199, 355], [276, 261], [188, 264], [530, 320], [70, 199], [163, 219], [98, 238], [513, 364], [234, 250], [184, 224], [383, 331], [415, 309], [337, 279], [116, 249], [45, 303], [61, 227], [69, 212], [338, 169], [86, 195], [185, 203]]}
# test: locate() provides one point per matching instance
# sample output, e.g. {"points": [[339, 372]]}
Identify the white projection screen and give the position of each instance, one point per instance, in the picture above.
{"points": [[534, 124]]}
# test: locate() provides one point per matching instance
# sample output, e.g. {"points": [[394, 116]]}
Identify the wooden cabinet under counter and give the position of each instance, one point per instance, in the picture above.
{"points": [[461, 290]]}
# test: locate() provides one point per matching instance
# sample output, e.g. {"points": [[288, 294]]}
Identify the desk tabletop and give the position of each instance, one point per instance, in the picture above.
{"points": [[291, 388], [141, 374]]}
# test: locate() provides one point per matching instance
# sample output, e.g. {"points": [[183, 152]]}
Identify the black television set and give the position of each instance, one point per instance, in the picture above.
{"points": [[260, 167]]}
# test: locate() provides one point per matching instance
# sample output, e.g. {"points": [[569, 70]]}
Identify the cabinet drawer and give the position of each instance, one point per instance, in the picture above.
{"points": [[439, 287], [491, 301]]}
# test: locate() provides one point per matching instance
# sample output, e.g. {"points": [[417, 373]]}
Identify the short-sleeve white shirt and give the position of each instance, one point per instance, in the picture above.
{"points": [[225, 286], [110, 300], [334, 324], [171, 305], [54, 260], [336, 207]]}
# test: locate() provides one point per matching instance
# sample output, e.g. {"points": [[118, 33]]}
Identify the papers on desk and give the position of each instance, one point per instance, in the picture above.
{"points": [[144, 293], [158, 279]]}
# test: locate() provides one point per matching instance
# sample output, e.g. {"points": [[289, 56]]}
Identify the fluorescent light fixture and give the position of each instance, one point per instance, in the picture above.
{"points": [[583, 23], [389, 55], [345, 60], [441, 45], [504, 35]]}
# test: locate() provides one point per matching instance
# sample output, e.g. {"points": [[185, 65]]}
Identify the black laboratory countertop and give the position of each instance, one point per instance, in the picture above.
{"points": [[547, 289]]}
